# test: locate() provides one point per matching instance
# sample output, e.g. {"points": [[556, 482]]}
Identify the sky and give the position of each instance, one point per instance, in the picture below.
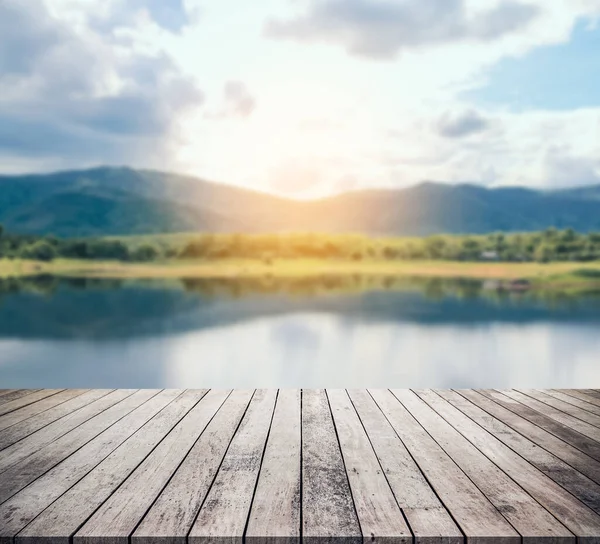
{"points": [[305, 98]]}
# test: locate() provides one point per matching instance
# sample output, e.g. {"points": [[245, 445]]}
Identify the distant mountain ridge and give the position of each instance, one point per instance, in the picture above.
{"points": [[121, 201]]}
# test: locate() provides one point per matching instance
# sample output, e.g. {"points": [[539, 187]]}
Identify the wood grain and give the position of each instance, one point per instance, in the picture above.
{"points": [[477, 517], [525, 514], [51, 483], [224, 514], [63, 517], [499, 416], [275, 512], [427, 517], [17, 432], [26, 471], [328, 512], [118, 517], [36, 408], [170, 518]]}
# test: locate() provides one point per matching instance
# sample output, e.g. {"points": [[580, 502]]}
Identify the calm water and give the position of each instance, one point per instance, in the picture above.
{"points": [[306, 333]]}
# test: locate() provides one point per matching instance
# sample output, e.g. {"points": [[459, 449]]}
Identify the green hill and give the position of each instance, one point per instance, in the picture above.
{"points": [[119, 201]]}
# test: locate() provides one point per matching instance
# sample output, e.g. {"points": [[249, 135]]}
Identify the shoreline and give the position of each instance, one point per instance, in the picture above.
{"points": [[557, 275]]}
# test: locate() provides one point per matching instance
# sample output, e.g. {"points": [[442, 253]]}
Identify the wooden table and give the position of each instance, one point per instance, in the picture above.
{"points": [[170, 466]]}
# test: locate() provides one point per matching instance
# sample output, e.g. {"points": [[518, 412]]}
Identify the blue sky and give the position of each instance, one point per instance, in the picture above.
{"points": [[305, 97], [558, 77]]}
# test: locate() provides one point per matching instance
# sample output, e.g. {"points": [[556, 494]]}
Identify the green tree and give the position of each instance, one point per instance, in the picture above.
{"points": [[471, 249], [568, 235], [144, 253], [435, 247], [39, 251], [544, 253], [108, 249]]}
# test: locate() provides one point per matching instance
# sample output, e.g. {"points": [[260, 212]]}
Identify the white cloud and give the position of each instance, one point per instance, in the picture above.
{"points": [[380, 29], [119, 81], [75, 98]]}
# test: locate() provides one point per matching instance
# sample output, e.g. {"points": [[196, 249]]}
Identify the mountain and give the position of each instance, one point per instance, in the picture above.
{"points": [[111, 201]]}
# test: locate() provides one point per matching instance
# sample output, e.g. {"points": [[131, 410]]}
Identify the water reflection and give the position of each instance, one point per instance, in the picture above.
{"points": [[308, 332]]}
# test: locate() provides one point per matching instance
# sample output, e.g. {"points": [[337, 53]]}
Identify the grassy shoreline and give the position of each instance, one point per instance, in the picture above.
{"points": [[547, 275]]}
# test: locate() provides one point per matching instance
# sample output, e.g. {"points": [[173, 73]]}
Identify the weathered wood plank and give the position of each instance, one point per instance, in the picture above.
{"points": [[224, 514], [581, 520], [31, 501], [41, 438], [569, 454], [7, 420], [45, 424], [563, 406], [118, 517], [379, 515], [13, 394], [15, 404], [581, 395], [592, 392], [35, 423], [327, 509], [551, 412], [427, 518], [586, 490], [579, 441], [62, 518], [574, 400], [170, 518], [524, 513], [477, 517], [275, 511], [26, 471]]}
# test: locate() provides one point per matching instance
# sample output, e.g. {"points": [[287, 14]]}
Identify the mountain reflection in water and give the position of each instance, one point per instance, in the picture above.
{"points": [[350, 331]]}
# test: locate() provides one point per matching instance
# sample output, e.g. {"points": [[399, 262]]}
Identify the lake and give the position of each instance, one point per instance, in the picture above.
{"points": [[323, 332]]}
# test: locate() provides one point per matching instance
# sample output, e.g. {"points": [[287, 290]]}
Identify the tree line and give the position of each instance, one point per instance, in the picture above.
{"points": [[546, 246], [48, 248]]}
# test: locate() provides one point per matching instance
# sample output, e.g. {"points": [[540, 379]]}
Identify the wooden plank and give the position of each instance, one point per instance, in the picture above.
{"points": [[379, 515], [592, 392], [429, 521], [327, 509], [26, 400], [581, 395], [574, 400], [224, 514], [563, 406], [524, 513], [118, 517], [36, 408], [581, 520], [477, 517], [31, 501], [569, 454], [275, 511], [586, 490], [41, 438], [579, 441], [170, 518], [62, 518], [13, 394], [26, 471], [35, 423], [555, 414]]}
